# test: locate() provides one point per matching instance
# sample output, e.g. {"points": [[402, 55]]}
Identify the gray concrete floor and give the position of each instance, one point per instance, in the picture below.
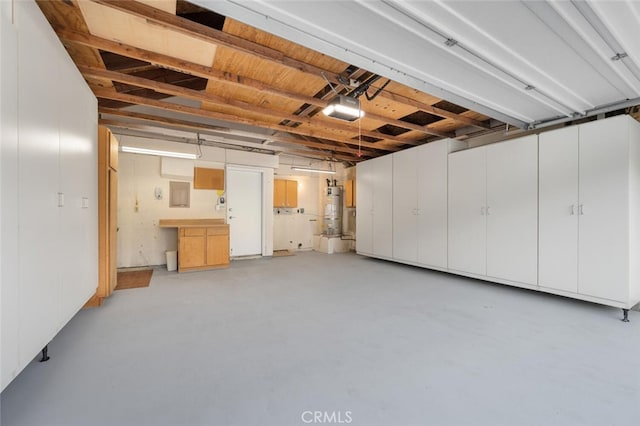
{"points": [[364, 340]]}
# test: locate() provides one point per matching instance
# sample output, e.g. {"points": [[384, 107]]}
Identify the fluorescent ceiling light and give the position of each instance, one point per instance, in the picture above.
{"points": [[344, 108], [311, 169], [135, 150]]}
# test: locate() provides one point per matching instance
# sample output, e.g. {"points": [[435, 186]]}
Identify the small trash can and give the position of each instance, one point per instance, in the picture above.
{"points": [[172, 260]]}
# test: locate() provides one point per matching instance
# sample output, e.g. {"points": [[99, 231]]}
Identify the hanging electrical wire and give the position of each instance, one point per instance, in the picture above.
{"points": [[329, 83], [199, 144], [359, 154]]}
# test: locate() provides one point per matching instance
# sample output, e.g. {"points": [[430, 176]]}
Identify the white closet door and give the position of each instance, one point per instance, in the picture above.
{"points": [[432, 203], [603, 221], [405, 207], [41, 243], [79, 181], [467, 220], [383, 206], [558, 210], [512, 210], [364, 207]]}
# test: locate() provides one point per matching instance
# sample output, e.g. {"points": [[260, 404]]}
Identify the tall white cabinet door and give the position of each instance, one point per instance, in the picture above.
{"points": [[558, 210], [603, 220], [40, 243], [467, 220], [79, 182], [383, 206], [512, 210], [405, 205], [364, 209], [432, 204]]}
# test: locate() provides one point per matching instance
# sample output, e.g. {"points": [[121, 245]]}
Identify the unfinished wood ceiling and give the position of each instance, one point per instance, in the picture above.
{"points": [[175, 70], [529, 63]]}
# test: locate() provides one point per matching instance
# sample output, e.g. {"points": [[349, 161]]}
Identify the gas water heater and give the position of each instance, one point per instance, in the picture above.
{"points": [[332, 218]]}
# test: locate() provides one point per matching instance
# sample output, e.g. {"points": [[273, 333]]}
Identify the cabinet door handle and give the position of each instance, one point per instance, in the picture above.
{"points": [[482, 210], [580, 209], [488, 211], [573, 209]]}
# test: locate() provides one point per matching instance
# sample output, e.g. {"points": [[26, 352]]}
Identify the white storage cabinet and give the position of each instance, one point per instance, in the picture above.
{"points": [[590, 211]]}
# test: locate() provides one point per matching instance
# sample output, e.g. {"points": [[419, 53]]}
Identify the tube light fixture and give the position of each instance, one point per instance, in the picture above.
{"points": [[135, 150], [311, 169], [344, 108]]}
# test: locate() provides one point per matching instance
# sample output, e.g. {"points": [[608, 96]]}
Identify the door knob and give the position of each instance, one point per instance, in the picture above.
{"points": [[230, 217]]}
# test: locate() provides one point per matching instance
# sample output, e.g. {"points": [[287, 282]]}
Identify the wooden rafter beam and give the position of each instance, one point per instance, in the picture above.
{"points": [[233, 79], [202, 32], [193, 126], [160, 133], [434, 110], [208, 34], [324, 156], [321, 146], [183, 109], [241, 106]]}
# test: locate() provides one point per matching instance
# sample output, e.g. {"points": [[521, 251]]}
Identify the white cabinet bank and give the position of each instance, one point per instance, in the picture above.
{"points": [[557, 212]]}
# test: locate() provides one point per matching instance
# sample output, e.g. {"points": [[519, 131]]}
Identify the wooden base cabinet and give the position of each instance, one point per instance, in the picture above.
{"points": [[203, 247]]}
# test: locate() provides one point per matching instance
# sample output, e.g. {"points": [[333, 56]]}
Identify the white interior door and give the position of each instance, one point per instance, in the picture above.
{"points": [[467, 204], [603, 264], [512, 210], [432, 204], [244, 211], [558, 210], [405, 207]]}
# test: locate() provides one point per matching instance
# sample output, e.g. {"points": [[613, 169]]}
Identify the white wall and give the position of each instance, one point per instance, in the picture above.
{"points": [[49, 147], [140, 241], [292, 228]]}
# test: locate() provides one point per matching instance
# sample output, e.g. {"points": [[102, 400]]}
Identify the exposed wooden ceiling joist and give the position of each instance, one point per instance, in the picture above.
{"points": [[188, 125], [231, 41], [256, 79], [173, 90], [183, 109]]}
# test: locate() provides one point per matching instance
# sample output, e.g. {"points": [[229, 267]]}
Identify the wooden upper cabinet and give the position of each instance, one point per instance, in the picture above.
{"points": [[285, 193], [350, 193], [208, 178], [292, 193], [279, 192]]}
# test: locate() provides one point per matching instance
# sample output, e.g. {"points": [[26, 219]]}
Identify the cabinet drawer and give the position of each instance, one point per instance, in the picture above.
{"points": [[218, 230], [192, 232]]}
